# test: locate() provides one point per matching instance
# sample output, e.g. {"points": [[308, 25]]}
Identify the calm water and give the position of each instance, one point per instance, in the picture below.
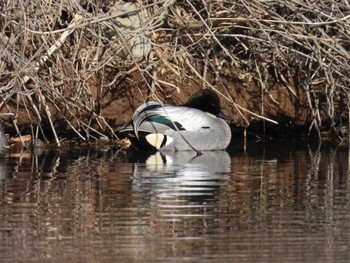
{"points": [[278, 202]]}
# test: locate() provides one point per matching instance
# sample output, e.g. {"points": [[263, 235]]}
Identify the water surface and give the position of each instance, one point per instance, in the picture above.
{"points": [[273, 202]]}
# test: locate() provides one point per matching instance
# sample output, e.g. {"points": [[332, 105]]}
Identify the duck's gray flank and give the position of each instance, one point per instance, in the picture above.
{"points": [[177, 128]]}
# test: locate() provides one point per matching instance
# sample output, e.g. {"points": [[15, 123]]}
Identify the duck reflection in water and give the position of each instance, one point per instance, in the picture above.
{"points": [[182, 174]]}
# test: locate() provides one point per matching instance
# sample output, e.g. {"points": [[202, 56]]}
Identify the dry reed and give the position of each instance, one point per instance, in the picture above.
{"points": [[56, 62]]}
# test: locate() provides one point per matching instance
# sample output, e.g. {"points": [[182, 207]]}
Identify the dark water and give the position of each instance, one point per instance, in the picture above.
{"points": [[278, 202]]}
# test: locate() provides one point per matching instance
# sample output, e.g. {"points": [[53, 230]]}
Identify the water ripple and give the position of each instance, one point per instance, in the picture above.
{"points": [[102, 206]]}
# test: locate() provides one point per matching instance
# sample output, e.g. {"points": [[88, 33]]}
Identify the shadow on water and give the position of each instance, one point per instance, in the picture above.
{"points": [[277, 201]]}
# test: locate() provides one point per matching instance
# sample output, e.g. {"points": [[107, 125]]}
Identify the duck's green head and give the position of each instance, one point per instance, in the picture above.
{"points": [[207, 101]]}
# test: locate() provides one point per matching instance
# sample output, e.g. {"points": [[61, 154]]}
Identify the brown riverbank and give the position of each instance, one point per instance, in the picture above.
{"points": [[78, 70]]}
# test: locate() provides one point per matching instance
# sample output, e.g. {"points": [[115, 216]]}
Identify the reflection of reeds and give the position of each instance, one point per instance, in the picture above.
{"points": [[305, 180], [85, 204], [56, 64]]}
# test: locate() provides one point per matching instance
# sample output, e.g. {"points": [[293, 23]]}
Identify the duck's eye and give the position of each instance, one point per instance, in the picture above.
{"points": [[215, 107]]}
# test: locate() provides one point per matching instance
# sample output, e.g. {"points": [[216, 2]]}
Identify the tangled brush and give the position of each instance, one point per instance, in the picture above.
{"points": [[59, 59]]}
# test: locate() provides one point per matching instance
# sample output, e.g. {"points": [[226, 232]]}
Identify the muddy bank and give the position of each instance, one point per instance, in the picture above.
{"points": [[79, 70]]}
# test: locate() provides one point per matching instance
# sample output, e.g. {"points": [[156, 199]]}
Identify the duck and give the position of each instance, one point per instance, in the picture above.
{"points": [[198, 125]]}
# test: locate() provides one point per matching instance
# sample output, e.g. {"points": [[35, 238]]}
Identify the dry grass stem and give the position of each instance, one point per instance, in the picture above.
{"points": [[62, 63]]}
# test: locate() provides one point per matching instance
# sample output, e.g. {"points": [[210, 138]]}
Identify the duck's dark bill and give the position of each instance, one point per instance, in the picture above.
{"points": [[224, 116]]}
